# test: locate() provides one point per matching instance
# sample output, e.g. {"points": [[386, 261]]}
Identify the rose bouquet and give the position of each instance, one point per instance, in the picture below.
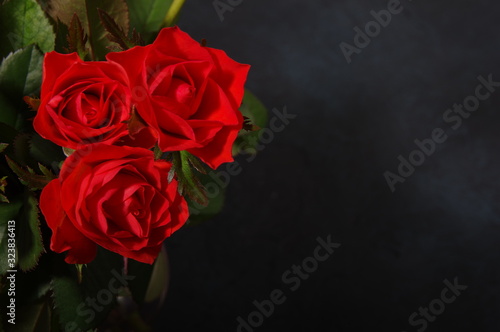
{"points": [[112, 121]]}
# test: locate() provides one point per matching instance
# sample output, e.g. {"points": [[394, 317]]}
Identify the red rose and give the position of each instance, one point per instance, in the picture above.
{"points": [[187, 93], [82, 102], [115, 197]]}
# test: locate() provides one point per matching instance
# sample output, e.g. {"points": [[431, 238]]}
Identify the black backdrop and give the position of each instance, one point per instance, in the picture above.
{"points": [[324, 173]]}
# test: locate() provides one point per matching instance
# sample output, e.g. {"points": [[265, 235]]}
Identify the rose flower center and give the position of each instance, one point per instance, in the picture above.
{"points": [[181, 91], [139, 213]]}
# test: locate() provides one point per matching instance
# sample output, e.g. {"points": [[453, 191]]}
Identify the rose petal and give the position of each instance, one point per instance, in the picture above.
{"points": [[65, 237]]}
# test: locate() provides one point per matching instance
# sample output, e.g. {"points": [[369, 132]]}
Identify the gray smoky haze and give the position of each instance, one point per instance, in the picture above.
{"points": [[324, 173]]}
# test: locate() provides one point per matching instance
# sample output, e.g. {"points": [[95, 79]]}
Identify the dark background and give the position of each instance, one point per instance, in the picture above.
{"points": [[323, 174]]}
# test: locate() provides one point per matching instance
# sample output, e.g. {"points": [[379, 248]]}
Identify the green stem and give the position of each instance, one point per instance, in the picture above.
{"points": [[173, 12]]}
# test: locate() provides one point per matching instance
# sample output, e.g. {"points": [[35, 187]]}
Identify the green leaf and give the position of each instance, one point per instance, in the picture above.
{"points": [[77, 39], [67, 296], [29, 238], [189, 183], [71, 297], [115, 32], [7, 134], [32, 150], [151, 282], [23, 23], [47, 172], [29, 245], [3, 146], [3, 184], [147, 16], [256, 112], [198, 212], [45, 151], [27, 178], [8, 113], [9, 211], [21, 149], [21, 73], [89, 17], [62, 32], [252, 108], [196, 163], [160, 277]]}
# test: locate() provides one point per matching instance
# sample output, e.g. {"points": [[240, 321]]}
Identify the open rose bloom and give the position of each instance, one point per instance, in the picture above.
{"points": [[175, 95], [115, 197], [82, 102], [186, 94]]}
